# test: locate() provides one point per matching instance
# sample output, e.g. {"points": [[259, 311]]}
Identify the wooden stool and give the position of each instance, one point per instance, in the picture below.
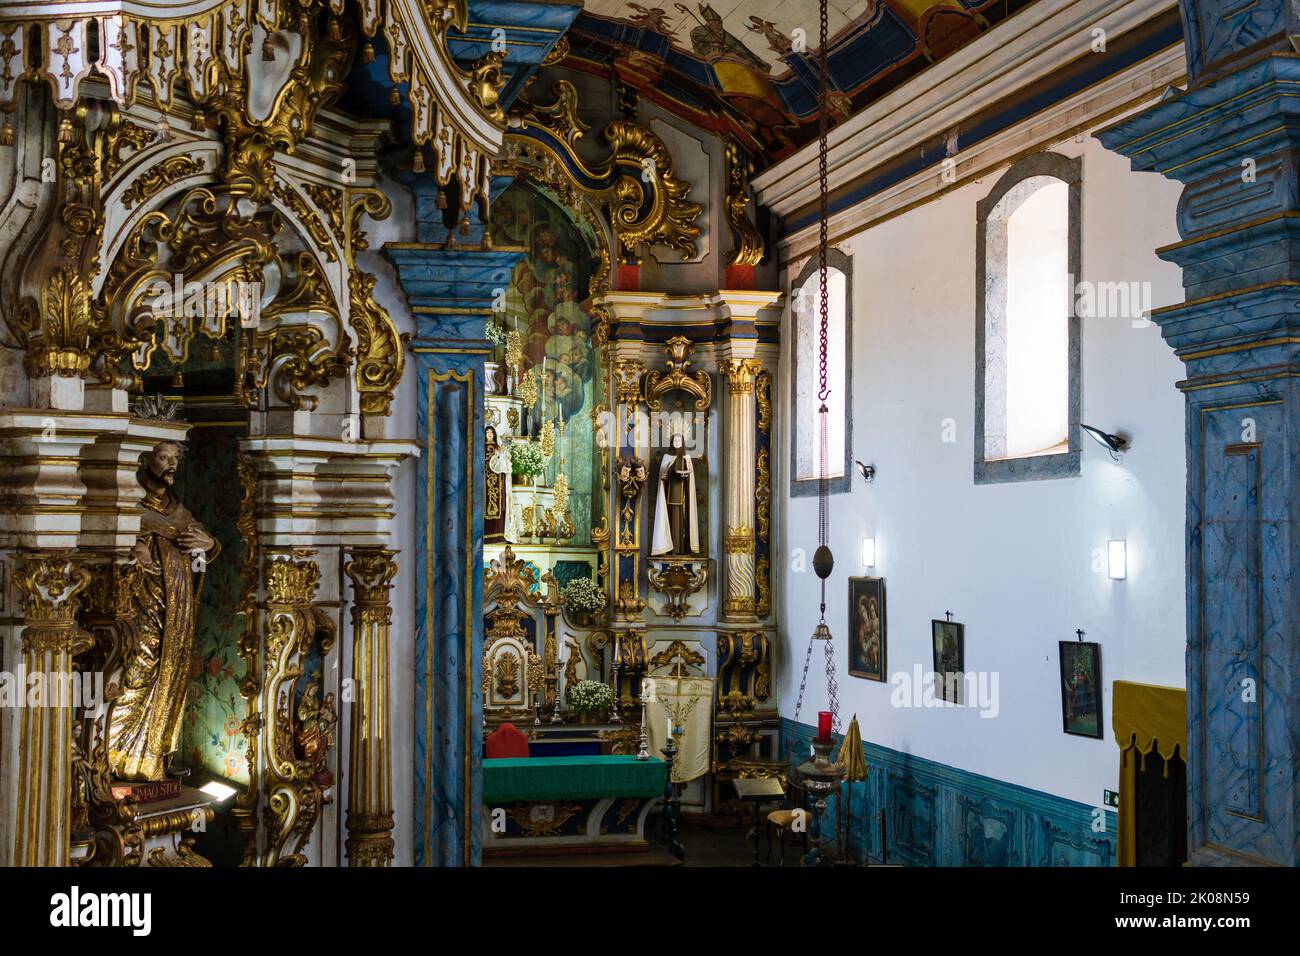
{"points": [[783, 820]]}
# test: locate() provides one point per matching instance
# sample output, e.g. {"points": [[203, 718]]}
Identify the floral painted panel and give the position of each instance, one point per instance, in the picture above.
{"points": [[212, 738]]}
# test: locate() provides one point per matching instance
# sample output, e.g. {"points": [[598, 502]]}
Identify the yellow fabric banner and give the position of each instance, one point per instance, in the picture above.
{"points": [[689, 702]]}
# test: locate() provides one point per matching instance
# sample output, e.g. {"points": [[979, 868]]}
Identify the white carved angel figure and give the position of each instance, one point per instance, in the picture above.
{"points": [[676, 515]]}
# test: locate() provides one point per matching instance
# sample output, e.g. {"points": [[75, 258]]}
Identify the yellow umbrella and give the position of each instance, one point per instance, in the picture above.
{"points": [[850, 756], [851, 761]]}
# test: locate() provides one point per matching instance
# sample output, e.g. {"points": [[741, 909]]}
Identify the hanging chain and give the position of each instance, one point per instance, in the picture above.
{"points": [[832, 686], [823, 391], [803, 681]]}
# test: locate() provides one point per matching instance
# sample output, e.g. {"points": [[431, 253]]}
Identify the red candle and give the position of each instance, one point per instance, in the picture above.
{"points": [[823, 725]]}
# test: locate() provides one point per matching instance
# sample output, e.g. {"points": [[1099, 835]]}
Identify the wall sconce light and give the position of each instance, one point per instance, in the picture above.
{"points": [[1115, 444], [869, 552], [868, 472], [1117, 560]]}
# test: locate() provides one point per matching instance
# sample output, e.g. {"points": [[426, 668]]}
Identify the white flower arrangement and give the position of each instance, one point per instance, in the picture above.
{"points": [[582, 595], [590, 696], [526, 459]]}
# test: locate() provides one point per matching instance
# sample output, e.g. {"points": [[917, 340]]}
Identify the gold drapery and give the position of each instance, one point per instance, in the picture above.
{"points": [[1144, 717]]}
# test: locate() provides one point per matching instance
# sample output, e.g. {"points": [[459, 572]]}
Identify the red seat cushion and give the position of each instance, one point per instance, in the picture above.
{"points": [[507, 741]]}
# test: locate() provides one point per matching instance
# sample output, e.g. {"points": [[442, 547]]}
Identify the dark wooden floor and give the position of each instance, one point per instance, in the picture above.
{"points": [[714, 842]]}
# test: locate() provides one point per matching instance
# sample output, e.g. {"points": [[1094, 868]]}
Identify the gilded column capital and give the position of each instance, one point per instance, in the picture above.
{"points": [[372, 571], [48, 585], [740, 374], [627, 375], [291, 582]]}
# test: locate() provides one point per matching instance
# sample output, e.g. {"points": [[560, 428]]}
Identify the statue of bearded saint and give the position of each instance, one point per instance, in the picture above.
{"points": [[173, 551]]}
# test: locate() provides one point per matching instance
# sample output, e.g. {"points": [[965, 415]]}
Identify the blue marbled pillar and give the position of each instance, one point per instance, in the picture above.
{"points": [[1233, 140], [450, 293]]}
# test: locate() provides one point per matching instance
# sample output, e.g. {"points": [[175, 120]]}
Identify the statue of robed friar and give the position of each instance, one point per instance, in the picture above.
{"points": [[173, 551], [676, 513]]}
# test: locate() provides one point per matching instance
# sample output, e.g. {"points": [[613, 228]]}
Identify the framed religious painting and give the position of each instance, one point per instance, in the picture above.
{"points": [[1081, 688], [867, 628], [948, 640]]}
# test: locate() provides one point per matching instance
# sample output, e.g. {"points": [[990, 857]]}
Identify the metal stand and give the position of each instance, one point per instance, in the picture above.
{"points": [[644, 752], [615, 716], [668, 819], [820, 777]]}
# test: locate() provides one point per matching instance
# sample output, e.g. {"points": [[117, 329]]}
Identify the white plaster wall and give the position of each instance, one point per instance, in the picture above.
{"points": [[1013, 562]]}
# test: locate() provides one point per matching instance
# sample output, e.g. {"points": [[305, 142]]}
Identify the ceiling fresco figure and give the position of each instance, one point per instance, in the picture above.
{"points": [[711, 40], [746, 70]]}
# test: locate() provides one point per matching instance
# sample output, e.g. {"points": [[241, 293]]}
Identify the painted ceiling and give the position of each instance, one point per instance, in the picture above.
{"points": [[760, 31], [748, 68]]}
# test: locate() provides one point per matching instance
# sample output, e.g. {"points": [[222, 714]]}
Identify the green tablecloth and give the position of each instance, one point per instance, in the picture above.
{"points": [[508, 779]]}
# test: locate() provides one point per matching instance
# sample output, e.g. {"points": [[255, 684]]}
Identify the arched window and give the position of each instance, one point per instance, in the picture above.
{"points": [[1027, 333], [805, 324]]}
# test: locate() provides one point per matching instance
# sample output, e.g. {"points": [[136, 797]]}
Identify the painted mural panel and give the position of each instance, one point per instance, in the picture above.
{"points": [[546, 303], [212, 737]]}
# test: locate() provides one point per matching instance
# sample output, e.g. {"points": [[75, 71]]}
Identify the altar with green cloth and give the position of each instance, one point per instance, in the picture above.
{"points": [[574, 802]]}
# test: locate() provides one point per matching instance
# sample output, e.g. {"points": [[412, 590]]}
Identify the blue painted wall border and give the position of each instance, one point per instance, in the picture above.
{"points": [[937, 815]]}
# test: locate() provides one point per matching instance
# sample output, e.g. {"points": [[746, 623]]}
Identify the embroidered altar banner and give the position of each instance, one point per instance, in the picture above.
{"points": [[689, 702]]}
